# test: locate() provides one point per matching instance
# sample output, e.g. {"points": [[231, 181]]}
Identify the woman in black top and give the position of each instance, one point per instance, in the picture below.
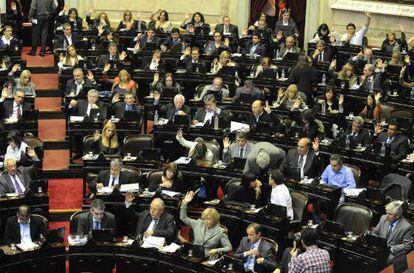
{"points": [[72, 18], [107, 142], [249, 191], [310, 127], [170, 180]]}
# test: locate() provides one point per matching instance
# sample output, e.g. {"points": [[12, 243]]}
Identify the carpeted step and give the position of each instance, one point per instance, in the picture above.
{"points": [[48, 104], [56, 159], [65, 194], [52, 129], [37, 61], [46, 81]]}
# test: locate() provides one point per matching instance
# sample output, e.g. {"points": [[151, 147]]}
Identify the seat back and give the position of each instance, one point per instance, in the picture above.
{"points": [[153, 176], [394, 192], [356, 172], [36, 143], [44, 219], [135, 143], [73, 222], [87, 144], [214, 147], [299, 202], [273, 243], [386, 111], [355, 218], [199, 89], [133, 172]]}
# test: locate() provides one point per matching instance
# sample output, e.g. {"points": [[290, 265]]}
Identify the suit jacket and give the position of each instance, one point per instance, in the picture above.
{"points": [[167, 111], [105, 59], [251, 119], [260, 49], [81, 108], [400, 239], [147, 62], [283, 49], [60, 41], [202, 112], [362, 137], [7, 108], [103, 177], [266, 251], [326, 56], [234, 151], [85, 222], [210, 48], [277, 158], [312, 165], [292, 24], [233, 29], [25, 175], [187, 64], [71, 85], [216, 239], [219, 96], [118, 109], [165, 227], [12, 232], [143, 42], [399, 147], [13, 43]]}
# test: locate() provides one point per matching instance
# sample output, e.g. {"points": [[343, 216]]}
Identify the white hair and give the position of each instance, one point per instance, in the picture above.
{"points": [[263, 159]]}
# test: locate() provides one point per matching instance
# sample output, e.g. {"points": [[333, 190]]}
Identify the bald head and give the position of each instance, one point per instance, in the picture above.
{"points": [[303, 146], [156, 208], [257, 107]]}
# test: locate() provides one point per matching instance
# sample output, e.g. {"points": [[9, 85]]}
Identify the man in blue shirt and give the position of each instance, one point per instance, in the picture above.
{"points": [[337, 174], [24, 227]]}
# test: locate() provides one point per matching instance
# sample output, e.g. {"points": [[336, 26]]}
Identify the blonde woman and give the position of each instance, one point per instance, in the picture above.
{"points": [[107, 142], [70, 59], [123, 83], [346, 74], [127, 23], [223, 61], [24, 82], [207, 230], [290, 99], [266, 63]]}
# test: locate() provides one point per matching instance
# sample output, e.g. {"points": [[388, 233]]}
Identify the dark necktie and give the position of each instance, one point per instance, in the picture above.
{"points": [[97, 225], [155, 224], [300, 163], [241, 152], [16, 184], [19, 111], [320, 59], [112, 182], [390, 228]]}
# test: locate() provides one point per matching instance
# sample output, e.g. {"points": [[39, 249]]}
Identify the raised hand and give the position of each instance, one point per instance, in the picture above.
{"points": [[315, 144], [341, 99], [280, 92], [106, 68], [31, 152], [116, 98], [378, 128], [73, 103], [157, 95], [267, 107], [123, 55], [188, 198], [90, 76], [180, 133], [226, 143]]}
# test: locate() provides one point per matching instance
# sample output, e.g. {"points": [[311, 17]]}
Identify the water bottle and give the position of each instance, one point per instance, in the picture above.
{"points": [[323, 108], [282, 76], [382, 152], [323, 79], [215, 122], [156, 117], [348, 143], [412, 93]]}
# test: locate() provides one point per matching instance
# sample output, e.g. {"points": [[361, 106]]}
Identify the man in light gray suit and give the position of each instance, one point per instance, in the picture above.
{"points": [[241, 148], [264, 157], [17, 179], [396, 229], [257, 254]]}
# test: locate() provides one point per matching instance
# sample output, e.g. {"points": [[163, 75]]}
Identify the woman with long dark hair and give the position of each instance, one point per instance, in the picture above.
{"points": [[372, 109]]}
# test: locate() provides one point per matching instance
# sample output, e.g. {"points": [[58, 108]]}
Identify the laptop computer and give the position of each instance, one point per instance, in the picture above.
{"points": [[293, 172], [194, 251], [268, 73], [231, 263], [276, 211], [55, 236], [203, 30], [169, 92], [227, 71], [334, 227], [182, 120], [131, 116], [151, 154], [29, 115], [374, 194], [290, 56], [286, 30], [39, 183], [246, 98], [105, 235], [376, 241], [239, 163]]}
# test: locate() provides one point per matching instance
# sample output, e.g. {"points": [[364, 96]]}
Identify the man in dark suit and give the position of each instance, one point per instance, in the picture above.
{"points": [[143, 42], [119, 108], [170, 110], [192, 63], [356, 133], [113, 57], [264, 157], [84, 107], [241, 148], [40, 14], [24, 227], [204, 115], [287, 26], [154, 63], [153, 222], [97, 218], [257, 254], [304, 161], [174, 43], [113, 177], [226, 28], [255, 47], [75, 86], [258, 114], [67, 38], [398, 143], [17, 179], [288, 47], [396, 229], [365, 57], [13, 108], [321, 54]]}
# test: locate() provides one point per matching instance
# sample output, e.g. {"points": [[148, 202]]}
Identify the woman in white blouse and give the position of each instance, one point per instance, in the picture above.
{"points": [[280, 194], [16, 147], [196, 151]]}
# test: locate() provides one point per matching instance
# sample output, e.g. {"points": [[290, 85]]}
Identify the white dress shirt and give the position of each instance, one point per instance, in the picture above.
{"points": [[25, 236], [115, 182], [280, 195], [16, 152], [356, 39]]}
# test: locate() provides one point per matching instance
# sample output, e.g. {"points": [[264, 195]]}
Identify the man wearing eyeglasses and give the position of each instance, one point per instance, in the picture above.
{"points": [[13, 108]]}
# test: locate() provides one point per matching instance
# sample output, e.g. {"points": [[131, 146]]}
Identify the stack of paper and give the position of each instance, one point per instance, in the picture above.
{"points": [[170, 193], [105, 190], [134, 187], [236, 126], [171, 248], [27, 246], [76, 118], [183, 160], [353, 192], [153, 242]]}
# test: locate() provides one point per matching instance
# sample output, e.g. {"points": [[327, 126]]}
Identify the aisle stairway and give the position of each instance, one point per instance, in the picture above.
{"points": [[65, 187]]}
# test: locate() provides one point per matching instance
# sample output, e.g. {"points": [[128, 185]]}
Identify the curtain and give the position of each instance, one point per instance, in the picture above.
{"points": [[256, 6], [298, 14]]}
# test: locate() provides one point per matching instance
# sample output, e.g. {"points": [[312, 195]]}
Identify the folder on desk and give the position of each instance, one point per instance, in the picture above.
{"points": [[105, 235], [55, 236], [133, 187], [236, 126]]}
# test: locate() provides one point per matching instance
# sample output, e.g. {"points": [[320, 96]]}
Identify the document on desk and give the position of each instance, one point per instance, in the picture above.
{"points": [[183, 160], [170, 193], [353, 192], [129, 187], [27, 246], [76, 118], [171, 248], [105, 190], [235, 126], [153, 242]]}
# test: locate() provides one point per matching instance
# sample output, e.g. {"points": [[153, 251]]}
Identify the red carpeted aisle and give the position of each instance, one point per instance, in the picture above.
{"points": [[65, 194]]}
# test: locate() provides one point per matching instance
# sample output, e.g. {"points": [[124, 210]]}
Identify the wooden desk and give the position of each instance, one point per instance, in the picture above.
{"points": [[410, 260]]}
